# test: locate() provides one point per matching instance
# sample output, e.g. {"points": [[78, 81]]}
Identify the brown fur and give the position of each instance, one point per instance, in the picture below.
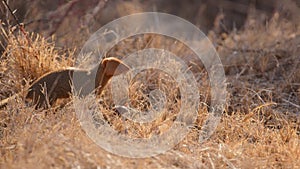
{"points": [[48, 88]]}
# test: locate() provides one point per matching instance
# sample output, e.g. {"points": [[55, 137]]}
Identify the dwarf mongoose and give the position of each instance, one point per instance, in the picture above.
{"points": [[58, 84]]}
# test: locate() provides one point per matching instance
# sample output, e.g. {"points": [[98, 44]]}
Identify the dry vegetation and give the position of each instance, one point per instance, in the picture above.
{"points": [[260, 127]]}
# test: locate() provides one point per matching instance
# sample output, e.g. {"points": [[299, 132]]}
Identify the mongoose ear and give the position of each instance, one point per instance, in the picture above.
{"points": [[113, 66]]}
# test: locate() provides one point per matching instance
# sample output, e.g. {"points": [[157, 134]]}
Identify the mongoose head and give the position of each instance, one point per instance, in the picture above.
{"points": [[108, 68]]}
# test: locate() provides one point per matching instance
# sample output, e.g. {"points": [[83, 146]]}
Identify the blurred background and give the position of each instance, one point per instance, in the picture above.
{"points": [[70, 18]]}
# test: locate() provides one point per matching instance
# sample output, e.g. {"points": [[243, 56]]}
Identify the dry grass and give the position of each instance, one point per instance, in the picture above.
{"points": [[259, 129], [27, 57], [264, 62]]}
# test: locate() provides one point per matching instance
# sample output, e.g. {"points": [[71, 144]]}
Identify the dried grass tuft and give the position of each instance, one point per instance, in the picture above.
{"points": [[26, 58]]}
